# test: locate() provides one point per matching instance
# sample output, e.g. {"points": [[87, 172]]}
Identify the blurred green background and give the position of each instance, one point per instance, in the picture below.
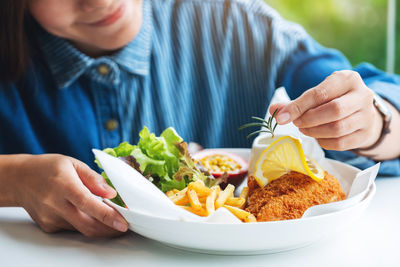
{"points": [[355, 27]]}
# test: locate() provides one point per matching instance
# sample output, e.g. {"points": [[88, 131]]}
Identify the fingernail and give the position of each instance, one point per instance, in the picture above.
{"points": [[109, 192], [297, 123], [107, 187], [122, 227], [283, 117]]}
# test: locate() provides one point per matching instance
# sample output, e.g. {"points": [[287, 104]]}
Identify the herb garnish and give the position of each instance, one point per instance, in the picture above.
{"points": [[266, 124]]}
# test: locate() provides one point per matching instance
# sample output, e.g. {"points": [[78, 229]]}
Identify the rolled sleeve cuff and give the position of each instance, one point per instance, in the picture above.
{"points": [[388, 91], [384, 84]]}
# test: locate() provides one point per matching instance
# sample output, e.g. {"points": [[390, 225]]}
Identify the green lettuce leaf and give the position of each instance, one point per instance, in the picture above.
{"points": [[164, 160], [123, 150], [147, 165], [173, 184], [161, 148]]}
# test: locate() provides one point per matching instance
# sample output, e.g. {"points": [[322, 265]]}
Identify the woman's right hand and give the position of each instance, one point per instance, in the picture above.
{"points": [[59, 192]]}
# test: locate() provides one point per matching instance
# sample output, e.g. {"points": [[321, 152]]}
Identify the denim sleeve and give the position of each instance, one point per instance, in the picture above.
{"points": [[312, 63]]}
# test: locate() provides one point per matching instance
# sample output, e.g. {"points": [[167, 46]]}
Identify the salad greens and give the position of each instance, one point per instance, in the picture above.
{"points": [[164, 160]]}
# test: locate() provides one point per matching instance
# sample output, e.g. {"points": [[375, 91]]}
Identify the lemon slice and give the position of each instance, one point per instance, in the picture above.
{"points": [[283, 155]]}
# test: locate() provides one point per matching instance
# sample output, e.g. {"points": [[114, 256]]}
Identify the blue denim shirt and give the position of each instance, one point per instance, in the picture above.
{"points": [[203, 67]]}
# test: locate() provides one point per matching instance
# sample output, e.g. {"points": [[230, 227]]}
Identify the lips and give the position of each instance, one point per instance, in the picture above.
{"points": [[110, 19]]}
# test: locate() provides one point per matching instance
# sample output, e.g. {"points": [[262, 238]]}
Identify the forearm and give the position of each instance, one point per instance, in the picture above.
{"points": [[390, 147], [9, 167]]}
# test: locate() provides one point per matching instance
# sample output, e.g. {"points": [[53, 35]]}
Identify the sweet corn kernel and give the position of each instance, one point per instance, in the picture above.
{"points": [[220, 163]]}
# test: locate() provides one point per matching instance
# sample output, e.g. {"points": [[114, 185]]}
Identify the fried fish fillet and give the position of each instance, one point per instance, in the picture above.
{"points": [[289, 196]]}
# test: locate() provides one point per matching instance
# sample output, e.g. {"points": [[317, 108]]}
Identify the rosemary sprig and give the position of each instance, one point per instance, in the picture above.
{"points": [[267, 124]]}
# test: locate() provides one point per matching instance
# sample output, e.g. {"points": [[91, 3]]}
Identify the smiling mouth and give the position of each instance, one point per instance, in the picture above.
{"points": [[110, 19]]}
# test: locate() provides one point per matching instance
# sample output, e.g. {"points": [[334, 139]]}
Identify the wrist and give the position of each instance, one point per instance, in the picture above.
{"points": [[11, 172], [381, 121], [378, 131], [388, 146]]}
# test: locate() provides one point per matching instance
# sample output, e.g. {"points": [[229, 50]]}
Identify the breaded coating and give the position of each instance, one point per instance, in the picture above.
{"points": [[289, 196]]}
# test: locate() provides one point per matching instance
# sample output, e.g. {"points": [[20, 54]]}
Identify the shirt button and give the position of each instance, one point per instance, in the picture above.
{"points": [[111, 124], [103, 69]]}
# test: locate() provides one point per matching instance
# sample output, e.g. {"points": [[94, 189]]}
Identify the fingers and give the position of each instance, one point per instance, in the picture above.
{"points": [[278, 106], [339, 112], [86, 224], [58, 193], [335, 129], [355, 131], [337, 109], [350, 141], [93, 181], [81, 198], [58, 225], [50, 223], [332, 87]]}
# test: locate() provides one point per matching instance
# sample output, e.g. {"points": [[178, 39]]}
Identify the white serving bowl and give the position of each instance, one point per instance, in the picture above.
{"points": [[248, 238]]}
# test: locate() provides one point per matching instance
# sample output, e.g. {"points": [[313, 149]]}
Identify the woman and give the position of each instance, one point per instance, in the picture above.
{"points": [[82, 74]]}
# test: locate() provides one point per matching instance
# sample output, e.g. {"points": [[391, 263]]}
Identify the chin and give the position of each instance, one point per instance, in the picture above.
{"points": [[115, 41], [113, 44]]}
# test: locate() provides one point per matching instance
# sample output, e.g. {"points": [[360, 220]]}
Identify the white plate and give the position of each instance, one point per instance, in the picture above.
{"points": [[248, 238]]}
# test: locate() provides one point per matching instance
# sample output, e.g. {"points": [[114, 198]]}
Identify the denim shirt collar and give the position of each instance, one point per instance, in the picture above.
{"points": [[67, 63]]}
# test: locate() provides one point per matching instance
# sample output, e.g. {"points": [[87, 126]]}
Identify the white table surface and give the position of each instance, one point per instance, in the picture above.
{"points": [[373, 240]]}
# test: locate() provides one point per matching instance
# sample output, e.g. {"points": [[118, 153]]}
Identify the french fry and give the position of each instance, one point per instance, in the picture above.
{"points": [[203, 201], [235, 201], [210, 201], [184, 200], [231, 194], [200, 188], [244, 194], [179, 194], [193, 199], [251, 218], [223, 196], [180, 197], [202, 212], [241, 214], [172, 192], [216, 188]]}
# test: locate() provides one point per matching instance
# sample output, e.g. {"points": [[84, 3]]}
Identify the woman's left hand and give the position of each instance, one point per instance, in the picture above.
{"points": [[339, 113]]}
